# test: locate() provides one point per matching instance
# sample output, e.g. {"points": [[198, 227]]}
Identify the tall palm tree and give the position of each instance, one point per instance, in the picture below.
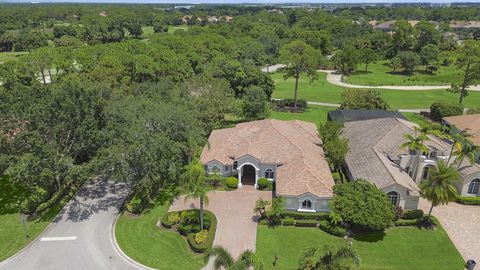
{"points": [[468, 150], [458, 138], [223, 259], [439, 187], [327, 258], [415, 145], [195, 182]]}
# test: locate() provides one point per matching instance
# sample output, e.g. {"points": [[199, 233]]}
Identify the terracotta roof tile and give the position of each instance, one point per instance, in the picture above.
{"points": [[293, 144]]}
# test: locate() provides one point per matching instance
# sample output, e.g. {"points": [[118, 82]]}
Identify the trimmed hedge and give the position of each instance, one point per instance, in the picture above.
{"points": [[288, 102], [332, 229], [412, 214], [468, 200], [202, 247], [231, 182], [408, 222], [306, 223], [288, 222], [263, 222], [263, 183], [303, 216], [441, 109]]}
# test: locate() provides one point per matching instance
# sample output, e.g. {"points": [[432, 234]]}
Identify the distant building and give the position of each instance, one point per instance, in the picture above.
{"points": [[212, 19], [103, 14]]}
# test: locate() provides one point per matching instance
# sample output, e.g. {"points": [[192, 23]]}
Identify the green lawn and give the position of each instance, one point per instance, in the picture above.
{"points": [[403, 248], [12, 232], [147, 31], [321, 90], [9, 56], [314, 114], [172, 29], [380, 73], [144, 242]]}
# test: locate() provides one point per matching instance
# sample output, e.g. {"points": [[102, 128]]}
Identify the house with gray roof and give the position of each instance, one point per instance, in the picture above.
{"points": [[376, 156]]}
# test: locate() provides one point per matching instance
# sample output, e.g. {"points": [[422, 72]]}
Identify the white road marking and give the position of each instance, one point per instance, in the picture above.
{"points": [[64, 238]]}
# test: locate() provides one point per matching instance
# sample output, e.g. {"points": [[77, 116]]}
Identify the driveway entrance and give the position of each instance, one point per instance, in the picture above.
{"points": [[237, 227]]}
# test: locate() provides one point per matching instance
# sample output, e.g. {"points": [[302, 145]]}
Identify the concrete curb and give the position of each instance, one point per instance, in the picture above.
{"points": [[120, 252]]}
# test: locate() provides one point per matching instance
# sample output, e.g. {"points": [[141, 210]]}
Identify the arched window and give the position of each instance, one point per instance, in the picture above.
{"points": [[269, 174], [426, 171], [307, 204], [474, 186], [215, 170], [393, 197]]}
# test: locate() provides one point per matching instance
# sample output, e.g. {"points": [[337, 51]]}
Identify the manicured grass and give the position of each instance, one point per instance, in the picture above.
{"points": [[314, 114], [402, 248], [380, 73], [147, 31], [12, 233], [143, 241], [172, 29], [322, 91], [9, 56]]}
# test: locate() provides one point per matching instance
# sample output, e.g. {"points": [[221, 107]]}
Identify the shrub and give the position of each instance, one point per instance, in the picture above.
{"points": [[263, 222], [232, 182], [201, 237], [468, 200], [336, 177], [263, 183], [306, 223], [412, 214], [166, 221], [407, 222], [135, 205], [441, 109], [302, 215], [473, 110], [288, 222], [189, 216], [288, 103], [215, 180], [362, 206], [184, 229], [332, 229], [31, 203]]}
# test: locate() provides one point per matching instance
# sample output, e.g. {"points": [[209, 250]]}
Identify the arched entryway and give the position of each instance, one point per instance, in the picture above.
{"points": [[248, 175]]}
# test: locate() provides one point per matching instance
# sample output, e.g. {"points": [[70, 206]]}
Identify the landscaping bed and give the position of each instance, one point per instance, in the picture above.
{"points": [[187, 224], [142, 240], [468, 200]]}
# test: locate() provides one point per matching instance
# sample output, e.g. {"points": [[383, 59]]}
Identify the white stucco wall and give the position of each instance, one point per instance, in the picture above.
{"points": [[319, 204], [406, 201]]}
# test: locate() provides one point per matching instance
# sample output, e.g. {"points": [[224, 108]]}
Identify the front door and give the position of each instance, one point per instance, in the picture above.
{"points": [[248, 175]]}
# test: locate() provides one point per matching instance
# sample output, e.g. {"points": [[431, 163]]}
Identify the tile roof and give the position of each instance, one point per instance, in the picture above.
{"points": [[294, 145], [469, 122]]}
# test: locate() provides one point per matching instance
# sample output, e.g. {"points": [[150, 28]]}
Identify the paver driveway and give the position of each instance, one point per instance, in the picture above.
{"points": [[236, 227], [462, 223]]}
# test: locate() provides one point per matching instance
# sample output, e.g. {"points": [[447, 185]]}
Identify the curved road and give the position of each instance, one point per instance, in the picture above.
{"points": [[80, 237]]}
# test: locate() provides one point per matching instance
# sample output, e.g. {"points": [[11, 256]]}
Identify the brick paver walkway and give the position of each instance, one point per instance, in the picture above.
{"points": [[236, 227], [462, 223]]}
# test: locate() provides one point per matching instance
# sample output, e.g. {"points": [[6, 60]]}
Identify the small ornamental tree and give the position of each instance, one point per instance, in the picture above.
{"points": [[362, 206]]}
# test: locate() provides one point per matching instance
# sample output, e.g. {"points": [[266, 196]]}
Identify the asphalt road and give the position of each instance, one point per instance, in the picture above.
{"points": [[80, 236]]}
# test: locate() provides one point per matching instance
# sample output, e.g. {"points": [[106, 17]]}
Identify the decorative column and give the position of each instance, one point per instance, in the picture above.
{"points": [[240, 176], [257, 171]]}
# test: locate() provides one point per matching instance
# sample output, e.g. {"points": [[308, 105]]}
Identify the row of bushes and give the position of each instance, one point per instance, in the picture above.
{"points": [[424, 221], [412, 214], [187, 224], [303, 216], [468, 200], [324, 225], [218, 181], [288, 103]]}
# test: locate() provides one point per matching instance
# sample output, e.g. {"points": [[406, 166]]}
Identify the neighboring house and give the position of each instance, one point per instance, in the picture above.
{"points": [[470, 123], [213, 19], [376, 156], [285, 152], [458, 25]]}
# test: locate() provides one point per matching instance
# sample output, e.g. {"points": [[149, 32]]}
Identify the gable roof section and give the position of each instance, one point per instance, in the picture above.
{"points": [[294, 145], [468, 122]]}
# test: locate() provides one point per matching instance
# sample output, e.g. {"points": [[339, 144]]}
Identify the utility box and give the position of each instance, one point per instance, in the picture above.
{"points": [[471, 264]]}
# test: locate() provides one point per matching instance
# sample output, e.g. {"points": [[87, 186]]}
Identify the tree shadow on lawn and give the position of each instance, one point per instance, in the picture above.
{"points": [[361, 72], [369, 237]]}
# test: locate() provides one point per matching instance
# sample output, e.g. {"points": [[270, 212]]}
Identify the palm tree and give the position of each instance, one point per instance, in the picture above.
{"points": [[260, 207], [415, 144], [458, 137], [327, 258], [223, 259], [439, 187], [468, 150], [195, 181]]}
